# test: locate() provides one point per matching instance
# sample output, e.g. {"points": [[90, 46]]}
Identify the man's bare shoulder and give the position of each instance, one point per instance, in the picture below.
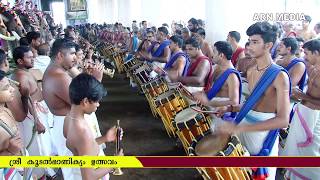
{"points": [[282, 81], [55, 74]]}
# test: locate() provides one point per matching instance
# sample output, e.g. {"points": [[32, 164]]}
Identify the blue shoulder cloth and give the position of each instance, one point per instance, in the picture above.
{"points": [[221, 80], [264, 82], [304, 76], [160, 49], [174, 58]]}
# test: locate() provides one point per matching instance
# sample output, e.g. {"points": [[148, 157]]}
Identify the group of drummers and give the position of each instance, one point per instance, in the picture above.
{"points": [[237, 98], [220, 100]]}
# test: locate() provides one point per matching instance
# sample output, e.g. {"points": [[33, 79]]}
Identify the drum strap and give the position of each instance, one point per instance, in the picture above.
{"points": [[264, 82], [304, 76]]}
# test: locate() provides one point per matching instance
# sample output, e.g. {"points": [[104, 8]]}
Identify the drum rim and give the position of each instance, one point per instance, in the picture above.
{"points": [[227, 150]]}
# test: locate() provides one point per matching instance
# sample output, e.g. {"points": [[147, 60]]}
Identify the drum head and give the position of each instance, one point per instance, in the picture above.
{"points": [[186, 115], [211, 144]]}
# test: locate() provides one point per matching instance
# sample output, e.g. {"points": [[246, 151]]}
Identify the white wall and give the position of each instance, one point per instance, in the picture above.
{"points": [[221, 16]]}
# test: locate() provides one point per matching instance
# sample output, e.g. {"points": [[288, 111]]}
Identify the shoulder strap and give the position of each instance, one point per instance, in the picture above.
{"points": [[160, 49], [267, 78], [304, 76], [220, 82]]}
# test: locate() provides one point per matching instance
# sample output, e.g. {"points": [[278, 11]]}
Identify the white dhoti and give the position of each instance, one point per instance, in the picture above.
{"points": [[38, 144], [216, 120], [245, 89], [74, 173], [303, 140], [253, 141], [192, 89]]}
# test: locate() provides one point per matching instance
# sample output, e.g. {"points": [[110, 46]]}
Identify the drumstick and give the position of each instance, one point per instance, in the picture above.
{"points": [[161, 69], [202, 111]]}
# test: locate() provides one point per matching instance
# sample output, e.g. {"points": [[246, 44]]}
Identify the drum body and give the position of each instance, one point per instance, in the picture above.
{"points": [[168, 104], [214, 145], [189, 124], [142, 74], [155, 87]]}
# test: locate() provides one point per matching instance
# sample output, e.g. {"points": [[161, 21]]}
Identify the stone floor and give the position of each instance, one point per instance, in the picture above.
{"points": [[144, 135]]}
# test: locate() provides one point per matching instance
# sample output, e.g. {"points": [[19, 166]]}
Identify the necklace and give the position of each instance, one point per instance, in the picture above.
{"points": [[264, 68]]}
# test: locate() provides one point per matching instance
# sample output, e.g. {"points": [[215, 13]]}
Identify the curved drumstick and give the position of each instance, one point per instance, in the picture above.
{"points": [[202, 111], [165, 73]]}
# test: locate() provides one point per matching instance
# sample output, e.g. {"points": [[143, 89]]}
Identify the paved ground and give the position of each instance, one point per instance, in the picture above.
{"points": [[144, 134]]}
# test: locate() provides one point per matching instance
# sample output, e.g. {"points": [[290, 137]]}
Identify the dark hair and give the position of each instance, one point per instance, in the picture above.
{"points": [[291, 42], [235, 35], [267, 31], [312, 45], [86, 86], [43, 49], [3, 56], [164, 30], [149, 30], [201, 31], [18, 53], [193, 42], [24, 41], [185, 30], [77, 47], [225, 48], [193, 21], [32, 35], [144, 21], [299, 39], [307, 18], [176, 39], [59, 45]]}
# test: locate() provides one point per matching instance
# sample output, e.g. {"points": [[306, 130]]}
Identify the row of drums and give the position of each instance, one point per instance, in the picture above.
{"points": [[186, 119]]}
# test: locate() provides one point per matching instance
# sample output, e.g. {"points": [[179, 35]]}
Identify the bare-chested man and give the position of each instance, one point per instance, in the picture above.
{"points": [[245, 63], [16, 105], [34, 41], [179, 61], [145, 44], [200, 71], [226, 84], [159, 52], [306, 33], [56, 82], [304, 135], [295, 66], [193, 25], [85, 93], [38, 113], [269, 108], [10, 140], [11, 143], [238, 52], [205, 47]]}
